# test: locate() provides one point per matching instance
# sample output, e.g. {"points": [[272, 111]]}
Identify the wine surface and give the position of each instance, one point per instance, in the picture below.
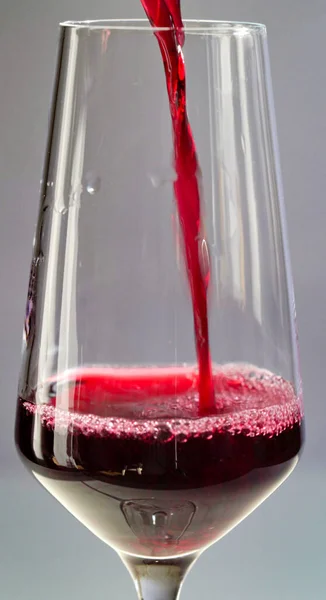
{"points": [[129, 454]]}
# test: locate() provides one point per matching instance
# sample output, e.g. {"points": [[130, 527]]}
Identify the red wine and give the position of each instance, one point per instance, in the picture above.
{"points": [[167, 13], [129, 454]]}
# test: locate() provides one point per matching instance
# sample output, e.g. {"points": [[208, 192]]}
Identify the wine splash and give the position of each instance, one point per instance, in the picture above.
{"points": [[167, 14]]}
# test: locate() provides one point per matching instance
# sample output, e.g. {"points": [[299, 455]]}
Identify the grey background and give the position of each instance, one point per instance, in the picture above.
{"points": [[279, 551]]}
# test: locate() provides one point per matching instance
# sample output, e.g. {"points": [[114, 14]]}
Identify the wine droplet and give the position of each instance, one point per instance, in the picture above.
{"points": [[62, 210], [166, 176], [155, 181], [93, 184]]}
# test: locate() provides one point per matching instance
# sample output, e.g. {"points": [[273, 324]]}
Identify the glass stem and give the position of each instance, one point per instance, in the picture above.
{"points": [[158, 579]]}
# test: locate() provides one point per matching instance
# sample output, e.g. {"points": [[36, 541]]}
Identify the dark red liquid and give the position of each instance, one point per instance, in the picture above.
{"points": [[167, 13], [127, 452]]}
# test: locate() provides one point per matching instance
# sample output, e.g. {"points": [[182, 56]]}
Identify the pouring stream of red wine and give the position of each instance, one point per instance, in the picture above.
{"points": [[167, 14]]}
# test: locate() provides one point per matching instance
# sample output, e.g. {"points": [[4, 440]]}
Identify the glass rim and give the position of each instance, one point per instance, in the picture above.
{"points": [[190, 26]]}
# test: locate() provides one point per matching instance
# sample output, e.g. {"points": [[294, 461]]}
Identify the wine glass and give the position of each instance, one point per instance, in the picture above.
{"points": [[108, 415]]}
